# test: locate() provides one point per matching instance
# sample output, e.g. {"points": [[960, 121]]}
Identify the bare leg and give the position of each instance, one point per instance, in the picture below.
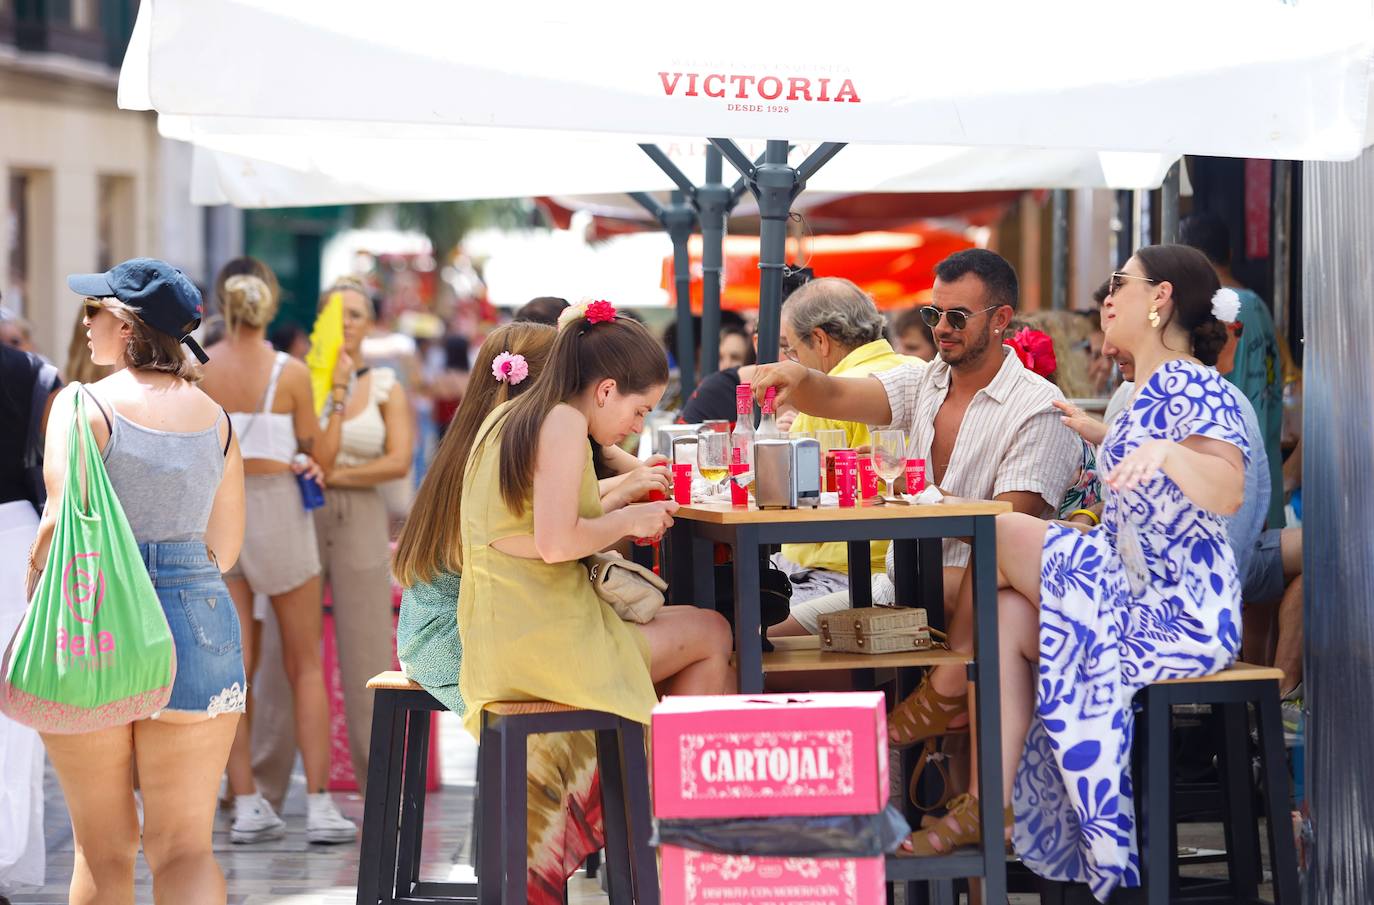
{"points": [[181, 764], [689, 651], [96, 773], [240, 756], [300, 618], [1288, 657]]}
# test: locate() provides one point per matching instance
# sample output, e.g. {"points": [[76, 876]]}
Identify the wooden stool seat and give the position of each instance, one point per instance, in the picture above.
{"points": [[518, 708], [1236, 672], [393, 680]]}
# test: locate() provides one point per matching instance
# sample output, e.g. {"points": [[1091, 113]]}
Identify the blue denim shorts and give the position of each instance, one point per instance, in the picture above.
{"points": [[205, 628]]}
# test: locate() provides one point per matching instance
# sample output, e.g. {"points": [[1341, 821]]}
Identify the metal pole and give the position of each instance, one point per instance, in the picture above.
{"points": [[679, 219], [1283, 250], [1125, 232], [1059, 262], [1168, 205], [714, 203], [776, 182]]}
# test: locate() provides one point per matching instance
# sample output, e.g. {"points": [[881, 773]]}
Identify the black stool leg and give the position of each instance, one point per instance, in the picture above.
{"points": [[1158, 858], [489, 789], [592, 865], [619, 876], [1238, 820], [415, 772], [514, 818], [377, 859], [641, 828], [1283, 858]]}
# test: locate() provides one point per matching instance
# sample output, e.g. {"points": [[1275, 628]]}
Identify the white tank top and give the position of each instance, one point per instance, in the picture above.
{"points": [[266, 434], [363, 438]]}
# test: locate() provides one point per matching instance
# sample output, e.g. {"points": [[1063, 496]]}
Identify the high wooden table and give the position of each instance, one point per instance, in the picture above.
{"points": [[917, 533]]}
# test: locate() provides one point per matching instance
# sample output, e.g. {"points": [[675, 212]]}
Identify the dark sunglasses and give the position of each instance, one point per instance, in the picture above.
{"points": [[1118, 280], [957, 319], [92, 307]]}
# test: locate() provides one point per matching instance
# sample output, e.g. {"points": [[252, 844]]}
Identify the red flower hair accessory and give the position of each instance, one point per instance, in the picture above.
{"points": [[1036, 351], [599, 312]]}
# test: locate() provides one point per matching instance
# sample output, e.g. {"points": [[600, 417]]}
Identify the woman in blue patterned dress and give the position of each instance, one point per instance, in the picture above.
{"points": [[1088, 617]]}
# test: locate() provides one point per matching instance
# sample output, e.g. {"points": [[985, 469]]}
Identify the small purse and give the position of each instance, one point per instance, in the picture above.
{"points": [[634, 592], [875, 630]]}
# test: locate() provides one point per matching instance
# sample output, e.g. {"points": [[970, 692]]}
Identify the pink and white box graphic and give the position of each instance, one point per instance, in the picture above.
{"points": [[703, 878], [813, 754]]}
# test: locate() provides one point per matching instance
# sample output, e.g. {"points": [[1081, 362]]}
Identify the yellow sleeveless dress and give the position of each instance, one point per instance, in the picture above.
{"points": [[536, 631], [533, 630]]}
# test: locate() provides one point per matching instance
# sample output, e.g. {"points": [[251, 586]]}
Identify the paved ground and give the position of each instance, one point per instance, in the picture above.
{"points": [[292, 872]]}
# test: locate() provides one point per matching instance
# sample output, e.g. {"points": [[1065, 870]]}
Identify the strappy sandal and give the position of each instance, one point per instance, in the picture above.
{"points": [[932, 756], [967, 830], [924, 714]]}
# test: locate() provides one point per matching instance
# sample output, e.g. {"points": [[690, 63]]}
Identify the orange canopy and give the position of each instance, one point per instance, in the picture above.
{"points": [[894, 268]]}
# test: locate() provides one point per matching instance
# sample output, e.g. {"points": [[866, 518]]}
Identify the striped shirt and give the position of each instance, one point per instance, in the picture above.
{"points": [[1011, 438]]}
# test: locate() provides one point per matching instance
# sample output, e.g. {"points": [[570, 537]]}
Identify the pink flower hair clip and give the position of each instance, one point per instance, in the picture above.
{"points": [[508, 368]]}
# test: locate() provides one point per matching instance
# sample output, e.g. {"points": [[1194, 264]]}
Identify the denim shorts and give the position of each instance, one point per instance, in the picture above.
{"points": [[205, 628]]}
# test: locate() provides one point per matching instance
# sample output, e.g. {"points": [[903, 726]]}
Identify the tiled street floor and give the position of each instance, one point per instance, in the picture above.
{"points": [[293, 872]]}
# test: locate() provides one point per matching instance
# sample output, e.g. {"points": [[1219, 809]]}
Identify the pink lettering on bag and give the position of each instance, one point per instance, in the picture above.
{"points": [[81, 589]]}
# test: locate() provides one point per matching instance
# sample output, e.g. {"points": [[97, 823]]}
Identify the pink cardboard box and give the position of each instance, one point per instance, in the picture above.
{"points": [[702, 878], [813, 754]]}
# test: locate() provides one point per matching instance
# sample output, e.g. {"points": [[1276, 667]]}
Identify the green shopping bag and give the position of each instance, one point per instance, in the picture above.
{"points": [[93, 650]]}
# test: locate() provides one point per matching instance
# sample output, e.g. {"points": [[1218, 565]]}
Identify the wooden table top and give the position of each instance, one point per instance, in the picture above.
{"points": [[726, 514]]}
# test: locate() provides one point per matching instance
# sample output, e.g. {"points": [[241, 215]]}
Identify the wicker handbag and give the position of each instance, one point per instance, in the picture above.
{"points": [[875, 630], [634, 592]]}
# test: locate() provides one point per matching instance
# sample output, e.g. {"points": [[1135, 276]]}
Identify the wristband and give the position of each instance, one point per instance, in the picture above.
{"points": [[1089, 513]]}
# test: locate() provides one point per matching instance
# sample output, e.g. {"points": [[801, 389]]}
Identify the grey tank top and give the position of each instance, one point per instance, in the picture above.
{"points": [[165, 480]]}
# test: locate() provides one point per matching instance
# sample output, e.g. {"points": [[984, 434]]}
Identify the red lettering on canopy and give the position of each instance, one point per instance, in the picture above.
{"points": [[739, 82], [670, 87], [847, 89], [797, 86], [706, 85], [775, 91]]}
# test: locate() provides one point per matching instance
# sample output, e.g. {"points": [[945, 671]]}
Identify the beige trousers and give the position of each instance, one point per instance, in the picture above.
{"points": [[352, 529]]}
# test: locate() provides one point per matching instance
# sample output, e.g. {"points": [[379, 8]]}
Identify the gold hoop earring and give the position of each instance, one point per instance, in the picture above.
{"points": [[1154, 316]]}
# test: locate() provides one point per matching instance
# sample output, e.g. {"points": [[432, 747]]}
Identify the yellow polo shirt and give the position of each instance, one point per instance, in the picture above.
{"points": [[868, 359]]}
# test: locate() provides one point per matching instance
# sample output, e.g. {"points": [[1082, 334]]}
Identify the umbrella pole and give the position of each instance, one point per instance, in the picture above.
{"points": [[1168, 205], [679, 219], [775, 186], [714, 203], [1059, 270]]}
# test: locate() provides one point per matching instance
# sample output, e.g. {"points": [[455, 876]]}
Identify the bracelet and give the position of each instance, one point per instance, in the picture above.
{"points": [[341, 386], [1089, 513]]}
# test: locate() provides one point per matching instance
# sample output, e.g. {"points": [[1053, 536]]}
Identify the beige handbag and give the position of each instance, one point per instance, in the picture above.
{"points": [[634, 592], [875, 630]]}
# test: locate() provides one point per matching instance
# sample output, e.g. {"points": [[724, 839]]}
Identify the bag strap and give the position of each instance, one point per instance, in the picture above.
{"points": [[80, 449]]}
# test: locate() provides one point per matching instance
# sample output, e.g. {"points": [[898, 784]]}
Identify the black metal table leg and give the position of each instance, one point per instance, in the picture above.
{"points": [[679, 571], [1158, 858], [988, 715], [748, 640], [1283, 857], [515, 817], [860, 574], [640, 817]]}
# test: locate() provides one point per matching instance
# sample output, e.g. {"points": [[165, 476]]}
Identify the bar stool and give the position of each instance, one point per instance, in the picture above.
{"points": [[394, 810], [631, 868], [1232, 690]]}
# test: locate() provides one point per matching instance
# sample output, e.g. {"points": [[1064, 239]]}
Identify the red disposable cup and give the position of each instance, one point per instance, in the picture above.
{"points": [[847, 476], [830, 485], [682, 484], [739, 496], [915, 475], [868, 478]]}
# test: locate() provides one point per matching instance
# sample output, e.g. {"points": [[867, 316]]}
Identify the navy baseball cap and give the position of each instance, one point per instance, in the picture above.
{"points": [[166, 300]]}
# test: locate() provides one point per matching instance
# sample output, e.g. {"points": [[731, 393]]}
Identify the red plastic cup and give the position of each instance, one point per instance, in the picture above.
{"points": [[847, 476], [830, 485], [682, 484], [915, 475], [739, 496], [868, 478]]}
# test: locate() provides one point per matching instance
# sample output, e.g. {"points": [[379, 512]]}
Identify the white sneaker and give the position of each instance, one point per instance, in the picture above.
{"points": [[324, 824], [255, 821]]}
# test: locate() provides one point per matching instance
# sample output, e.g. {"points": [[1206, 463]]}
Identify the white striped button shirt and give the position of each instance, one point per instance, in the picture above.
{"points": [[1011, 437]]}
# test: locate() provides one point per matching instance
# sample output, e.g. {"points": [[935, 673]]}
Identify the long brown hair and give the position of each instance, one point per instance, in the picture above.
{"points": [[584, 354], [431, 541]]}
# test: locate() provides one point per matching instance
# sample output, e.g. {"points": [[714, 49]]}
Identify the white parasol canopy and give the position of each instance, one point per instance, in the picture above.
{"points": [[1255, 78]]}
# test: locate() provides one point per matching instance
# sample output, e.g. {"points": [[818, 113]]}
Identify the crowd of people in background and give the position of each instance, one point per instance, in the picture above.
{"points": [[457, 445]]}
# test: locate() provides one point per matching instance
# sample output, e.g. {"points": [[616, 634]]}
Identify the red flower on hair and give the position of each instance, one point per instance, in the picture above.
{"points": [[599, 312], [1036, 351]]}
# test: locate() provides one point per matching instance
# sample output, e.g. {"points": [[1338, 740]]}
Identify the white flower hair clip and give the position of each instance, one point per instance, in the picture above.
{"points": [[1225, 305]]}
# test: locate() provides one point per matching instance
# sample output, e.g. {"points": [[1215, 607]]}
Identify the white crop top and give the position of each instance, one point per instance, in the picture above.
{"points": [[364, 435], [266, 434]]}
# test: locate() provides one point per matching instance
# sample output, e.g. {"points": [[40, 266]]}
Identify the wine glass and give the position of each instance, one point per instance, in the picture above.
{"points": [[889, 457], [713, 457]]}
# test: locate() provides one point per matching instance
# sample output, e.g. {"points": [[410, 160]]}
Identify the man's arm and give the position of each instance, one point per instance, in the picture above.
{"points": [[861, 399]]}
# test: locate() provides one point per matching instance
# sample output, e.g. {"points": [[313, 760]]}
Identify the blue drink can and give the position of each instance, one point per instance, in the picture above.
{"points": [[312, 495]]}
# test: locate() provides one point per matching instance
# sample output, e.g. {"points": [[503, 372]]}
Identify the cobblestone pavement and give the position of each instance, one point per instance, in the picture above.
{"points": [[293, 872]]}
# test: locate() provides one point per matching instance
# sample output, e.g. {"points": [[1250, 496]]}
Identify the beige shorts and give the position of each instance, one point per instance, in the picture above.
{"points": [[279, 549]]}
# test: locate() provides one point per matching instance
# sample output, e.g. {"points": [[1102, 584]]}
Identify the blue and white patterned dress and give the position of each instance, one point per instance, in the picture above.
{"points": [[1150, 594]]}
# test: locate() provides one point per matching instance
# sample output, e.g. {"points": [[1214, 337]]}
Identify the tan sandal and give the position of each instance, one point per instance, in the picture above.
{"points": [[924, 714], [967, 829]]}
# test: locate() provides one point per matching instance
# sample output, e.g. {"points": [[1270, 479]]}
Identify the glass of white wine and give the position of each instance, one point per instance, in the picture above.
{"points": [[889, 457], [713, 457]]}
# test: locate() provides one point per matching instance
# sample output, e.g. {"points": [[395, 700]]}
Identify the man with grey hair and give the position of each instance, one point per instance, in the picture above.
{"points": [[832, 326]]}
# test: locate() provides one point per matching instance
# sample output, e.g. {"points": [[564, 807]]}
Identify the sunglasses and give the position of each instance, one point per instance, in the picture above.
{"points": [[1118, 280], [92, 308], [957, 319]]}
